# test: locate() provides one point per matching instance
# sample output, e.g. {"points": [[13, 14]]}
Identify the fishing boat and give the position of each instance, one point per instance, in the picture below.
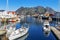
{"points": [[12, 33], [46, 27]]}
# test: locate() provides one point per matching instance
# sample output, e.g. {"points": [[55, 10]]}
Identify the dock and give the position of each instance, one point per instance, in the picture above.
{"points": [[3, 35], [56, 32]]}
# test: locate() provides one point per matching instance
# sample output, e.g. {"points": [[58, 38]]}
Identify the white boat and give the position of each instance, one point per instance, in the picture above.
{"points": [[10, 28], [14, 34], [46, 27], [18, 33]]}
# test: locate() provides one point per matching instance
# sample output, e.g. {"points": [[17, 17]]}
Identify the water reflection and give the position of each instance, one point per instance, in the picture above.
{"points": [[46, 33]]}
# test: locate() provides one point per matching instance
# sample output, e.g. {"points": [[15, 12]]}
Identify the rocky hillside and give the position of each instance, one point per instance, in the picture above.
{"points": [[33, 10]]}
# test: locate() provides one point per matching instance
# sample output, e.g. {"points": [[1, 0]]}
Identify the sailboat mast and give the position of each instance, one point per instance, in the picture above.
{"points": [[7, 5]]}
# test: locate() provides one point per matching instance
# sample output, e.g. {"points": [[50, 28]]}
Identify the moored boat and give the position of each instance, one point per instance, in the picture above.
{"points": [[18, 33], [14, 34], [46, 27]]}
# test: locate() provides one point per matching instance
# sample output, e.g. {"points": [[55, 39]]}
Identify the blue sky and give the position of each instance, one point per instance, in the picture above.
{"points": [[15, 4]]}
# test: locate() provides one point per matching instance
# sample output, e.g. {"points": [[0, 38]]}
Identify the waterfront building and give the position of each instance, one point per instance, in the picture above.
{"points": [[46, 14], [9, 14]]}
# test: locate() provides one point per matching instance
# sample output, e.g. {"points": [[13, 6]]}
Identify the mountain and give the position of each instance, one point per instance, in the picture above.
{"points": [[33, 10], [22, 10], [50, 10], [40, 9]]}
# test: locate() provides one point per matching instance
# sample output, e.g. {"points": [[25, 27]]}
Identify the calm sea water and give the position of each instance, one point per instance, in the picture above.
{"points": [[35, 31]]}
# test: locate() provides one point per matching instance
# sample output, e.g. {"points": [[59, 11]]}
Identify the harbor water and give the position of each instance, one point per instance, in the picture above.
{"points": [[35, 31]]}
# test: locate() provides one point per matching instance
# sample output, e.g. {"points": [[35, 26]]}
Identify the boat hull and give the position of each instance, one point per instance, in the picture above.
{"points": [[18, 35]]}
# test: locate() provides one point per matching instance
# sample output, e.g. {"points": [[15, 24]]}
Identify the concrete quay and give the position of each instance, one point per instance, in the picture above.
{"points": [[56, 32]]}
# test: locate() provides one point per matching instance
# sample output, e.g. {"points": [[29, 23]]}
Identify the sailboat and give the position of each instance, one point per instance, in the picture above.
{"points": [[12, 33], [18, 33]]}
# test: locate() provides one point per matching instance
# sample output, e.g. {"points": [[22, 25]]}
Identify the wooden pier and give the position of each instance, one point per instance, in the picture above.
{"points": [[56, 32]]}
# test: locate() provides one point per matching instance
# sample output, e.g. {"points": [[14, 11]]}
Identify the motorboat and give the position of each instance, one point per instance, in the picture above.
{"points": [[14, 34], [46, 28]]}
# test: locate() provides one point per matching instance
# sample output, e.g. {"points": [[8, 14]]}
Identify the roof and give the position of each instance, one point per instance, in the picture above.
{"points": [[13, 12]]}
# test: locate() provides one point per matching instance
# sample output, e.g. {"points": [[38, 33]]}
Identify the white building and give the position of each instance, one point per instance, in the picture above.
{"points": [[8, 14]]}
